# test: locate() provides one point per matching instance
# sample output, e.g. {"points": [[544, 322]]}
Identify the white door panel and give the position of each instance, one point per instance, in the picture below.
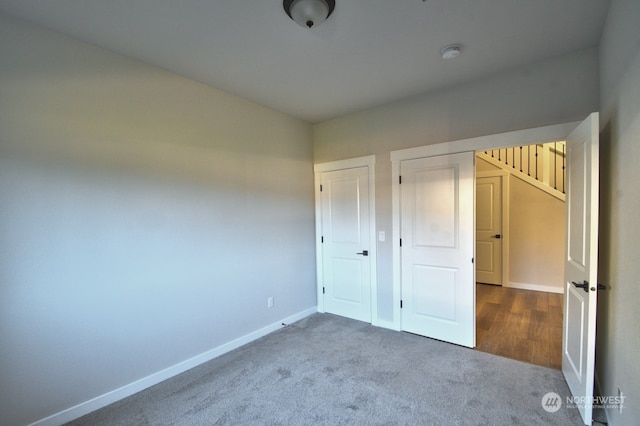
{"points": [[578, 355], [434, 293], [344, 207], [438, 286], [435, 222], [574, 343], [345, 231], [347, 282]]}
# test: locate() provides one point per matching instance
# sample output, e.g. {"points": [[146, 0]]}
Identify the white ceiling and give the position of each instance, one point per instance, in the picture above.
{"points": [[368, 53]]}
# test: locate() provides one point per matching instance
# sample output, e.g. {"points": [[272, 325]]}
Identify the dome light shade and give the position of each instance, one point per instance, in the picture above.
{"points": [[309, 13]]}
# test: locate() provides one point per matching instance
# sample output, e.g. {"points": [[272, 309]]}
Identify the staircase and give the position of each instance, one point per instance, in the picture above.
{"points": [[541, 165]]}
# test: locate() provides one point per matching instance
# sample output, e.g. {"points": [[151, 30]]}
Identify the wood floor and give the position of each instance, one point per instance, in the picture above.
{"points": [[519, 324]]}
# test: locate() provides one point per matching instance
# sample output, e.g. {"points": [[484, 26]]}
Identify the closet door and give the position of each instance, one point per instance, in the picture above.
{"points": [[437, 231]]}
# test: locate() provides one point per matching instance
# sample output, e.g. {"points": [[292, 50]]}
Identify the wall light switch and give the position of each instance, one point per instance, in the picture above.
{"points": [[381, 236]]}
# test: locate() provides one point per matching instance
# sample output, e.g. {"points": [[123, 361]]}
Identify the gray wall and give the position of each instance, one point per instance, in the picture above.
{"points": [[144, 220], [555, 91], [618, 338]]}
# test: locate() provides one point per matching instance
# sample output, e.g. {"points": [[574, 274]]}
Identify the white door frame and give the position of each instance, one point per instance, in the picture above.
{"points": [[504, 175], [368, 161], [502, 140]]}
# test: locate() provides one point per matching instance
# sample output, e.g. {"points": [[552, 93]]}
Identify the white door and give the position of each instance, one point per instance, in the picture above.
{"points": [[489, 230], [578, 343], [437, 232], [345, 243]]}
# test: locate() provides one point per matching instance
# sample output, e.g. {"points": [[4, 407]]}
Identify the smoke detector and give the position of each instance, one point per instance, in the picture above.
{"points": [[451, 51]]}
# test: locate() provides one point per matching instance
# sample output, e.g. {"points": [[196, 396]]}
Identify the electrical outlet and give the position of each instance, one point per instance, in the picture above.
{"points": [[270, 302]]}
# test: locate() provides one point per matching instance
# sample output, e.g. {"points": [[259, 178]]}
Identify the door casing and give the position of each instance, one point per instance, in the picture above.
{"points": [[482, 143], [350, 163]]}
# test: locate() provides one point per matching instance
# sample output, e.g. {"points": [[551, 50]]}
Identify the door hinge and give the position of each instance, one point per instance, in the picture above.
{"points": [[322, 239], [322, 290], [320, 188], [400, 180], [401, 304], [400, 242], [472, 260]]}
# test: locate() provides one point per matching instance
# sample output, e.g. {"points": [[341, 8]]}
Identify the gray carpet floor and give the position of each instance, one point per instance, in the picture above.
{"points": [[331, 370]]}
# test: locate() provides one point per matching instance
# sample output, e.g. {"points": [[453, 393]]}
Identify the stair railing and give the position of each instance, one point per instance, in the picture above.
{"points": [[545, 163]]}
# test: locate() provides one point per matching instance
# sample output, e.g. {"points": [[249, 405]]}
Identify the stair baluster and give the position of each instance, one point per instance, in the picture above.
{"points": [[553, 169]]}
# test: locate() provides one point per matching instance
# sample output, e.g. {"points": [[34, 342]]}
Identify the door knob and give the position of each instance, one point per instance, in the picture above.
{"points": [[498, 236], [364, 253], [584, 285]]}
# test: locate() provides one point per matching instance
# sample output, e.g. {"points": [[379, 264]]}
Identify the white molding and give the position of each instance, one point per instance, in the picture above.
{"points": [[545, 134], [101, 401], [395, 243], [373, 263], [516, 138], [319, 270], [506, 227], [534, 287], [368, 161], [349, 163]]}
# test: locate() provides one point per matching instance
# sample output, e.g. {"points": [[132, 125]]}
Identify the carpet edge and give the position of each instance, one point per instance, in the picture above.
{"points": [[125, 391]]}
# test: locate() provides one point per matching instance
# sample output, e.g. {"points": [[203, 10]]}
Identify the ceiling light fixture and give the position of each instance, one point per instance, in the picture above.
{"points": [[451, 51], [309, 13]]}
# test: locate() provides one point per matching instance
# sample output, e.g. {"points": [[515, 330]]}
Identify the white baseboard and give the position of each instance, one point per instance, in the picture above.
{"points": [[110, 397], [535, 287]]}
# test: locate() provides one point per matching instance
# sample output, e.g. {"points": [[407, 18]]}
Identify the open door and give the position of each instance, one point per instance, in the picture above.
{"points": [[437, 239], [581, 262]]}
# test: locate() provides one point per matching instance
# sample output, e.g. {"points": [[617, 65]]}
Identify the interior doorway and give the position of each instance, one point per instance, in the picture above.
{"points": [[579, 287], [491, 219], [345, 238], [520, 318]]}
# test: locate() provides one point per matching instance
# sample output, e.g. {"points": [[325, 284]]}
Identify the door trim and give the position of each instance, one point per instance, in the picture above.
{"points": [[504, 175], [481, 143], [368, 161]]}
